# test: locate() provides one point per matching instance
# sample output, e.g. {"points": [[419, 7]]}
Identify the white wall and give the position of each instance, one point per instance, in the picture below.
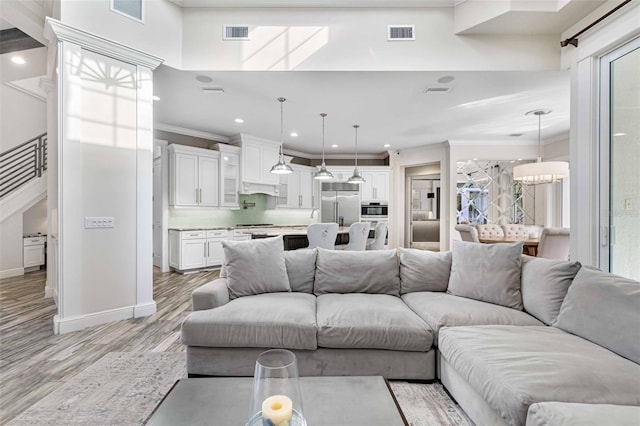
{"points": [[11, 247], [34, 220], [353, 39], [22, 116], [159, 35]]}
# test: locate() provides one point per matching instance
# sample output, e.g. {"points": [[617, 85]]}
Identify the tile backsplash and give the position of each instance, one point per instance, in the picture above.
{"points": [[184, 217]]}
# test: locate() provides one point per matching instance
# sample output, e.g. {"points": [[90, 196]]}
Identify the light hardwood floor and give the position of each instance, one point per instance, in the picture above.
{"points": [[34, 361]]}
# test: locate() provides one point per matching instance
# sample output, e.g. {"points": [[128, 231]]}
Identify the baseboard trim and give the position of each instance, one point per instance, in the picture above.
{"points": [[80, 322], [48, 291], [144, 309], [8, 273]]}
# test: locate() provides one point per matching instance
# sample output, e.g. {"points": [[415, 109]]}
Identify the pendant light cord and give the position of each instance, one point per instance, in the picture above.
{"points": [[281, 125], [323, 116], [356, 127], [539, 125]]}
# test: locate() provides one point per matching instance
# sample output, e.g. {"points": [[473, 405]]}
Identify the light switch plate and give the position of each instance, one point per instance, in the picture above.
{"points": [[98, 222], [627, 204]]}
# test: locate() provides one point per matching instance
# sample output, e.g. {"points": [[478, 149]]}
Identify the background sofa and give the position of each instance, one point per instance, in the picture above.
{"points": [[503, 332]]}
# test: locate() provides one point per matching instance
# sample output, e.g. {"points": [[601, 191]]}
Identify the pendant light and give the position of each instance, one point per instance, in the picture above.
{"points": [[541, 171], [281, 168], [323, 173], [356, 178]]}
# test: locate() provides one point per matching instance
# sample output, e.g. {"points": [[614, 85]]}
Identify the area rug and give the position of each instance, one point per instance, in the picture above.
{"points": [[123, 388]]}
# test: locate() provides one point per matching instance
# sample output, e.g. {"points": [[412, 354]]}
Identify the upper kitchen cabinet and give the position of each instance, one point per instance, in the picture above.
{"points": [[295, 190], [229, 175], [257, 157], [376, 185], [194, 176]]}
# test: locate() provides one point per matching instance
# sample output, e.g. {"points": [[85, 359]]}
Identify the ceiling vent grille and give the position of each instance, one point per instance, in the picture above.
{"points": [[401, 32], [236, 32], [437, 90]]}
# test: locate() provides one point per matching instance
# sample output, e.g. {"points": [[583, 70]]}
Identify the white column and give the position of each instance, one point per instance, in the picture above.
{"points": [[104, 160]]}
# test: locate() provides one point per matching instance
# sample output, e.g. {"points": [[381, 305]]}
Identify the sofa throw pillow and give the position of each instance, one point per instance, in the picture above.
{"points": [[255, 267], [372, 271], [422, 270], [301, 269], [544, 285], [487, 272], [605, 309]]}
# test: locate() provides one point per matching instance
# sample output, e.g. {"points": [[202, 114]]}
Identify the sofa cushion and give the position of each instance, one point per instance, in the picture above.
{"points": [[576, 414], [255, 267], [270, 320], [441, 310], [373, 271], [487, 272], [301, 269], [423, 270], [370, 321], [514, 367], [605, 309], [544, 285]]}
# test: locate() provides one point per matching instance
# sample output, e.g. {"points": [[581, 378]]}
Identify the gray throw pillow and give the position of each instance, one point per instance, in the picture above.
{"points": [[301, 269], [422, 270], [487, 272], [255, 267], [544, 285], [605, 309], [372, 271]]}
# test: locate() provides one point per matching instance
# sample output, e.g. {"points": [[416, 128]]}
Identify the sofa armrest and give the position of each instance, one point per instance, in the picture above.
{"points": [[211, 295]]}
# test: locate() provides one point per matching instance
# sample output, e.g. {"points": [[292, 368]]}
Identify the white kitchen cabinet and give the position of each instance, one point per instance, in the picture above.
{"points": [[194, 176], [33, 251], [258, 156], [376, 185], [229, 175], [296, 189], [197, 249]]}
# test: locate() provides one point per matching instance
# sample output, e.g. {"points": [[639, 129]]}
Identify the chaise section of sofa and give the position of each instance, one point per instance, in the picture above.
{"points": [[576, 414], [511, 368]]}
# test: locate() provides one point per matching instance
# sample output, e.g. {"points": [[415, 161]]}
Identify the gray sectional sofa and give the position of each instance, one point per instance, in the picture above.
{"points": [[515, 340]]}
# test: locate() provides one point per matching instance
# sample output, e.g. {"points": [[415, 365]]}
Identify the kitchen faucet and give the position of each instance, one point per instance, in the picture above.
{"points": [[313, 211]]}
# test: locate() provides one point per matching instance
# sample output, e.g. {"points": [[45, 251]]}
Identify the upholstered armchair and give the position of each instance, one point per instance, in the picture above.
{"points": [[515, 232], [468, 233]]}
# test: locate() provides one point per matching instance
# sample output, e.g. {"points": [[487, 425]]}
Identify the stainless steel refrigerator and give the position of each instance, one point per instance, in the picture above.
{"points": [[340, 203]]}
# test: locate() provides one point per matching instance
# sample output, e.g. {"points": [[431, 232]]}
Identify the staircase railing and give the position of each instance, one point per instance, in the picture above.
{"points": [[22, 163]]}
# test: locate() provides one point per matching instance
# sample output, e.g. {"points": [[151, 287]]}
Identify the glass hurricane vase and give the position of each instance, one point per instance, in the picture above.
{"points": [[276, 397]]}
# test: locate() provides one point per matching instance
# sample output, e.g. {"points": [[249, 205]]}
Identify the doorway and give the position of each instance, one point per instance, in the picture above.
{"points": [[619, 159]]}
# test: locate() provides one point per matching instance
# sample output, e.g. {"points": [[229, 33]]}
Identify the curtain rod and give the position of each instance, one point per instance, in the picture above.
{"points": [[574, 39]]}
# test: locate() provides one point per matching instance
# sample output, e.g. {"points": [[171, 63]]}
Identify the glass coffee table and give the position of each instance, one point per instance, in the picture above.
{"points": [[335, 401]]}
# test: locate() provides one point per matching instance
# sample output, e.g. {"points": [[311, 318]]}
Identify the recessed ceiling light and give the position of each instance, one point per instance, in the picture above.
{"points": [[386, 145], [18, 60], [239, 120], [204, 79], [475, 159], [156, 98], [446, 79], [620, 134], [334, 146], [519, 159], [294, 134]]}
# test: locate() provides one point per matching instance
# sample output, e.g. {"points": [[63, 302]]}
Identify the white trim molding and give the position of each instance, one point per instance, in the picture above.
{"points": [[165, 127], [57, 31], [80, 322], [8, 273], [144, 309]]}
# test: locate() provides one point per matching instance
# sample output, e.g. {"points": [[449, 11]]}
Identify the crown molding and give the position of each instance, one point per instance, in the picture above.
{"points": [[55, 30], [190, 132], [300, 154]]}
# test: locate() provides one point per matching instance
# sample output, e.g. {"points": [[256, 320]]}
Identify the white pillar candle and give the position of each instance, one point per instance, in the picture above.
{"points": [[277, 408]]}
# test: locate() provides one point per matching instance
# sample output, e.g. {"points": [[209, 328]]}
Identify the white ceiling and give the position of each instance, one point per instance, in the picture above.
{"points": [[391, 107]]}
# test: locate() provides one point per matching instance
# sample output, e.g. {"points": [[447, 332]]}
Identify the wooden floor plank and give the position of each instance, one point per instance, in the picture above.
{"points": [[34, 361]]}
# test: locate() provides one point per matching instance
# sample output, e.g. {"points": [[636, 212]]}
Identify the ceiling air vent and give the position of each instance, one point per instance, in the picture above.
{"points": [[401, 32], [236, 32], [437, 90]]}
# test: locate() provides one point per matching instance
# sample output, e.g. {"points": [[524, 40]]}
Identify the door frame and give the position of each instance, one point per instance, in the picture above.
{"points": [[160, 154], [604, 151]]}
